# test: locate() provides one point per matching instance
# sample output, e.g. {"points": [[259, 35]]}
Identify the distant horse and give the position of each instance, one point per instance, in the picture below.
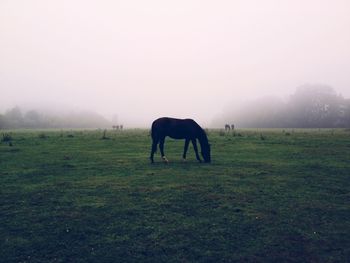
{"points": [[118, 127], [186, 129], [227, 127], [232, 126]]}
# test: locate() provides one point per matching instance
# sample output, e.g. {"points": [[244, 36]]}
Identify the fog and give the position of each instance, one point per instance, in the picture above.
{"points": [[135, 61], [310, 106]]}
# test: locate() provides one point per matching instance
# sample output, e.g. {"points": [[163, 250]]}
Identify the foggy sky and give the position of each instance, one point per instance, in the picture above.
{"points": [[141, 60]]}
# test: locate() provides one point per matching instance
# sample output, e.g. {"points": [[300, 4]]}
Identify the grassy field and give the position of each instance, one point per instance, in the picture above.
{"points": [[267, 196]]}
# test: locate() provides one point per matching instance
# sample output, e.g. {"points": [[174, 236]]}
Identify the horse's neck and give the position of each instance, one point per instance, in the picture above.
{"points": [[202, 138]]}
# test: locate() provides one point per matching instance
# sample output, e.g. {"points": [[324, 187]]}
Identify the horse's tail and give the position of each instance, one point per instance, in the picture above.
{"points": [[152, 131], [152, 134]]}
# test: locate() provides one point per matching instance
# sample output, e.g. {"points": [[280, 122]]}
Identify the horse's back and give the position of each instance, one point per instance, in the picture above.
{"points": [[167, 121], [175, 128]]}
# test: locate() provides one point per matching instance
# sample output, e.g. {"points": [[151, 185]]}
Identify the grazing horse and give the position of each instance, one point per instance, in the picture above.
{"points": [[227, 127], [186, 129]]}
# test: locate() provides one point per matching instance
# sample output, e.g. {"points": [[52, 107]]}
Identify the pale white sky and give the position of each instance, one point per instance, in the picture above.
{"points": [[146, 59]]}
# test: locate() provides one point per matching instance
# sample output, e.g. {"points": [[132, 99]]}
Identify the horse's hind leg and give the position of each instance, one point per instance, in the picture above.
{"points": [[161, 148], [194, 143], [153, 149]]}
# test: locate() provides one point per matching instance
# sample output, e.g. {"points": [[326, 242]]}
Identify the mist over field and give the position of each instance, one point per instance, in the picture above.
{"points": [[261, 175], [133, 61], [310, 106]]}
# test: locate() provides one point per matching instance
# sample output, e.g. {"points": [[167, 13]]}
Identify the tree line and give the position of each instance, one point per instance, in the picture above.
{"points": [[311, 106], [16, 118]]}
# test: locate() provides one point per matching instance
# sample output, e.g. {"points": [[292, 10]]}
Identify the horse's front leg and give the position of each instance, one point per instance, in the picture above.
{"points": [[194, 143], [161, 148], [187, 142]]}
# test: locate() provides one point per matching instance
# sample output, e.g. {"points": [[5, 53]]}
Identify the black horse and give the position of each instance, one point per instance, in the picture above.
{"points": [[186, 129]]}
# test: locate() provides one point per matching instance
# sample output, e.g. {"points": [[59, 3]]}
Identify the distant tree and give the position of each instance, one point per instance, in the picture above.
{"points": [[32, 119], [311, 106], [316, 106], [32, 115], [3, 124], [266, 112], [14, 117], [346, 112]]}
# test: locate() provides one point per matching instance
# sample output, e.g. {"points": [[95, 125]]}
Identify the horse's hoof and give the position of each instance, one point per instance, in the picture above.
{"points": [[165, 159]]}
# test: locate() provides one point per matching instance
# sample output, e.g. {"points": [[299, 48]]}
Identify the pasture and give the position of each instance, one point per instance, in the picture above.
{"points": [[84, 196]]}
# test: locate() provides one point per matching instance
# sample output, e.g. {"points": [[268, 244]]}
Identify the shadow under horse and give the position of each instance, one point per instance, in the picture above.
{"points": [[186, 129]]}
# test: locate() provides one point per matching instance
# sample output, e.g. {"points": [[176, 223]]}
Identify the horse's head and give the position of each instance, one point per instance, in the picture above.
{"points": [[206, 153]]}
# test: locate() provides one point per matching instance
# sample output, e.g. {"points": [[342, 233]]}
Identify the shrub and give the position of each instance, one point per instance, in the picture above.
{"points": [[6, 137], [42, 136]]}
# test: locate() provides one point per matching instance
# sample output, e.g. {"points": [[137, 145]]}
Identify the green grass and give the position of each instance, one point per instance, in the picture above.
{"points": [[268, 196]]}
